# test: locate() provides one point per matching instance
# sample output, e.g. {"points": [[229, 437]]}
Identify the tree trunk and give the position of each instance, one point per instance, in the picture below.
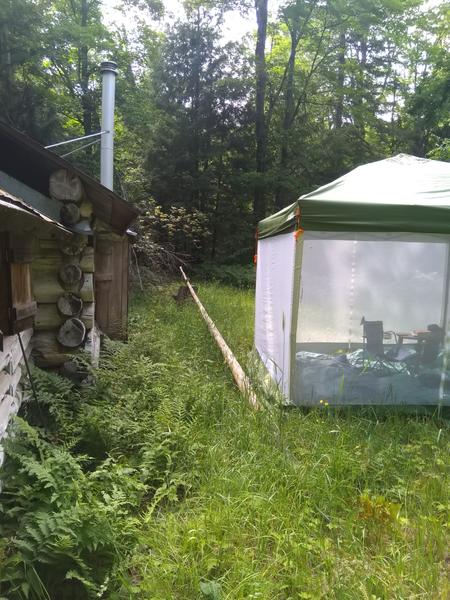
{"points": [[361, 88], [6, 67], [84, 76], [259, 205], [196, 197], [339, 108], [283, 189]]}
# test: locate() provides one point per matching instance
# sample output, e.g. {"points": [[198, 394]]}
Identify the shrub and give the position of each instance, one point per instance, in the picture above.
{"points": [[240, 276]]}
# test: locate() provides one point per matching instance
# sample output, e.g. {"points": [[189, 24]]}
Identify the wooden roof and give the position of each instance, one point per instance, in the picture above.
{"points": [[28, 161], [10, 202]]}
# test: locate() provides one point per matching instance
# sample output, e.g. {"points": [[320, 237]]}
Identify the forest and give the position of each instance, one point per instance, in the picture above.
{"points": [[213, 134], [154, 478]]}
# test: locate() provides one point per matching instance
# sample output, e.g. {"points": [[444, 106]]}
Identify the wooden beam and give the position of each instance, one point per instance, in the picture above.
{"points": [[241, 379]]}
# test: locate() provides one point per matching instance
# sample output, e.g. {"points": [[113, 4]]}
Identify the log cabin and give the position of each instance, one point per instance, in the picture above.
{"points": [[64, 253]]}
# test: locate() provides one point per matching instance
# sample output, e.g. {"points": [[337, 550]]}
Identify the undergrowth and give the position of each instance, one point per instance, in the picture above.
{"points": [[240, 276], [158, 482]]}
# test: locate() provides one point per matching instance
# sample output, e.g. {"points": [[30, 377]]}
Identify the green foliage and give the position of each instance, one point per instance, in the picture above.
{"points": [[157, 481], [292, 504], [165, 235], [57, 535], [346, 82], [241, 276]]}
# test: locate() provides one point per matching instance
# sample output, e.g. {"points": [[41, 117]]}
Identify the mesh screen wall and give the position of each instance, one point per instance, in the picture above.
{"points": [[373, 320]]}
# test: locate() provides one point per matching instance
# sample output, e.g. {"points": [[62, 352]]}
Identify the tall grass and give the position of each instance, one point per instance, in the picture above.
{"points": [[166, 485], [289, 504]]}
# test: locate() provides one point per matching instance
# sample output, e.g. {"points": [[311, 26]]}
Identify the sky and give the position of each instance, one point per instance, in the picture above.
{"points": [[235, 26]]}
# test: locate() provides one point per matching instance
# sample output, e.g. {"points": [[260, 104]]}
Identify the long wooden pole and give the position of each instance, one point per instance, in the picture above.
{"points": [[241, 379]]}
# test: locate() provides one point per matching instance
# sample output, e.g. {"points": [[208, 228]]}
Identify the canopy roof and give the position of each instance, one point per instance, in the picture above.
{"points": [[403, 193]]}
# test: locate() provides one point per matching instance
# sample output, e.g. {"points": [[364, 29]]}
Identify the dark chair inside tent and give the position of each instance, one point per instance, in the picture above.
{"points": [[373, 336], [432, 344], [373, 343]]}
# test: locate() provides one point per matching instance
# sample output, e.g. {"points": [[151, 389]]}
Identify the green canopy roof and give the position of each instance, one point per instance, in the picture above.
{"points": [[403, 193]]}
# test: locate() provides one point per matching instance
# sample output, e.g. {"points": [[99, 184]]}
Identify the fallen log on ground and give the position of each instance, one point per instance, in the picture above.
{"points": [[241, 379]]}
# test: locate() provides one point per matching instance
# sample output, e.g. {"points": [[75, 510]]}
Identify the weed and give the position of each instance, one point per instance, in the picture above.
{"points": [[159, 482]]}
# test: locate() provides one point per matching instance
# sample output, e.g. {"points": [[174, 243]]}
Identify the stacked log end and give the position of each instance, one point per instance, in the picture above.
{"points": [[63, 281]]}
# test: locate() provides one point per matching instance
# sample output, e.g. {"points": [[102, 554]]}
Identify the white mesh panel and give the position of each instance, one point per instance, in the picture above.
{"points": [[274, 289], [398, 280]]}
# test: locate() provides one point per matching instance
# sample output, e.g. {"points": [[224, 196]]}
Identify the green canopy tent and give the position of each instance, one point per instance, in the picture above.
{"points": [[371, 247]]}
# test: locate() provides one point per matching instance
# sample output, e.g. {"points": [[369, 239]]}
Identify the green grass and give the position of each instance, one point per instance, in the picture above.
{"points": [[159, 482], [288, 504]]}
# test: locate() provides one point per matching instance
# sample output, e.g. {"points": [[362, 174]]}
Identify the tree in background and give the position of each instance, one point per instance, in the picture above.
{"points": [[197, 153], [259, 204], [26, 95], [226, 131]]}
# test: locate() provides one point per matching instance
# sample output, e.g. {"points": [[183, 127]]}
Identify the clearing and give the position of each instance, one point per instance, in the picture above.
{"points": [[159, 482], [288, 504]]}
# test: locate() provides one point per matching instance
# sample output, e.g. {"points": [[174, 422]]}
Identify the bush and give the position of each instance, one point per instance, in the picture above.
{"points": [[240, 276]]}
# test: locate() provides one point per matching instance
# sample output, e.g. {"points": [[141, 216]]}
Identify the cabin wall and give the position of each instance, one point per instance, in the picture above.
{"points": [[63, 286], [15, 259], [12, 370], [111, 282]]}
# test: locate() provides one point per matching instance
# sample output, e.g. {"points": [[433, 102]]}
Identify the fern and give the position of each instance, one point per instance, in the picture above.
{"points": [[87, 464], [54, 517]]}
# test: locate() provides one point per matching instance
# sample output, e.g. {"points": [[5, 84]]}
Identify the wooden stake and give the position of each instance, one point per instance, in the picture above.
{"points": [[241, 379]]}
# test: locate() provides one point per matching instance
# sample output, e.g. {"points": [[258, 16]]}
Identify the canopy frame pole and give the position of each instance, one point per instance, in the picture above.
{"points": [[444, 323], [241, 379], [446, 296]]}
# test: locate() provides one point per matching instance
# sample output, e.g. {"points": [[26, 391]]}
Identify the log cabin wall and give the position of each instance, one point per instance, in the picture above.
{"points": [[12, 371], [16, 309], [62, 273], [63, 278], [111, 282], [40, 194]]}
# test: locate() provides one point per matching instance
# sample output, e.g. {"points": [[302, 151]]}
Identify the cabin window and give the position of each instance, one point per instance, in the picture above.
{"points": [[17, 307]]}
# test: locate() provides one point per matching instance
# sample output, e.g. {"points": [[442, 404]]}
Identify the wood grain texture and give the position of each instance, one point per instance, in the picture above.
{"points": [[70, 214], [111, 286], [48, 317], [11, 375], [52, 259], [69, 305], [47, 352], [65, 186], [4, 284], [47, 288], [9, 405], [70, 275], [92, 345], [72, 332]]}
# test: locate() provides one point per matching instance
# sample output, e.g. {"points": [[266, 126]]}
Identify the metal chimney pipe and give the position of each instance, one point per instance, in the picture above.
{"points": [[109, 72]]}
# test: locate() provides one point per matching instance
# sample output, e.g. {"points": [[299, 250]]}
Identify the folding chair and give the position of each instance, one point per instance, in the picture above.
{"points": [[373, 336], [432, 345], [373, 343]]}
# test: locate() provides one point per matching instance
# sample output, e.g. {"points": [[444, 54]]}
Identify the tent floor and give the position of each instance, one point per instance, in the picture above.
{"points": [[339, 380]]}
